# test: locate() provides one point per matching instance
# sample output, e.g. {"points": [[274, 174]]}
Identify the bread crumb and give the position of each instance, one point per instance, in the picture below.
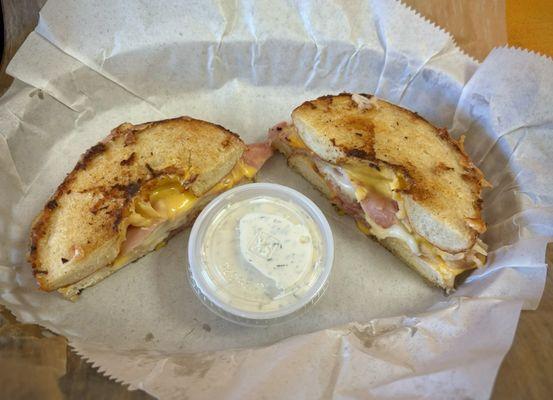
{"points": [[362, 102]]}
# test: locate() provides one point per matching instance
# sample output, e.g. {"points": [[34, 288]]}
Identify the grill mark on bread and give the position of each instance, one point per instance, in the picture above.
{"points": [[129, 160], [171, 234], [362, 145], [471, 178], [225, 143], [328, 98], [39, 272], [130, 189], [359, 153], [170, 170], [52, 204], [115, 191], [130, 138], [151, 170], [118, 219], [90, 154], [416, 185], [416, 117], [441, 167], [99, 206]]}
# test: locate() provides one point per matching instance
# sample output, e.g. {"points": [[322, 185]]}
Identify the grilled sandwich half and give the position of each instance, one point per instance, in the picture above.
{"points": [[407, 183], [130, 193]]}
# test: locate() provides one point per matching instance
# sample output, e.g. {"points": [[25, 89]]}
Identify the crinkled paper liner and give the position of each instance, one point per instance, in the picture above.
{"points": [[100, 64]]}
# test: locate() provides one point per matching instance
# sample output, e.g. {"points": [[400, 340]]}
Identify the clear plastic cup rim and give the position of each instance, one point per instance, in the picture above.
{"points": [[195, 265]]}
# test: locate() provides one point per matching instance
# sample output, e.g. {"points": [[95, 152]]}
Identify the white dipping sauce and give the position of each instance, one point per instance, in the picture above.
{"points": [[261, 254]]}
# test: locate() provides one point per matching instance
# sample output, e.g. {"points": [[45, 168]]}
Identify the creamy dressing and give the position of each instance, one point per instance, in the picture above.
{"points": [[279, 249], [261, 254]]}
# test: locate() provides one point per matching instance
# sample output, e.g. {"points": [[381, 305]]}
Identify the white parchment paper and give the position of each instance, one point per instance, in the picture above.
{"points": [[91, 65]]}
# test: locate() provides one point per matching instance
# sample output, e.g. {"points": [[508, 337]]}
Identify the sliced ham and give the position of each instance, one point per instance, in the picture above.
{"points": [[135, 236], [277, 130], [380, 209], [343, 201], [257, 153], [352, 208]]}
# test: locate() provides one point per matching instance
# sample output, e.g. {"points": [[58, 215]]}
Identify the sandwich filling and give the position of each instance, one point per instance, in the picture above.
{"points": [[373, 196], [164, 204]]}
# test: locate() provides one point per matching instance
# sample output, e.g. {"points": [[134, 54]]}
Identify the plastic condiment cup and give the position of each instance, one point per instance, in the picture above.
{"points": [[206, 287]]}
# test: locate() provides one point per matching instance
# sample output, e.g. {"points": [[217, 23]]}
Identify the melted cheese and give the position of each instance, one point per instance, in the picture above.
{"points": [[438, 260], [354, 181], [165, 201], [338, 177], [363, 227], [153, 241], [121, 260], [445, 270], [396, 231], [240, 171], [295, 141], [168, 201], [171, 199], [383, 181]]}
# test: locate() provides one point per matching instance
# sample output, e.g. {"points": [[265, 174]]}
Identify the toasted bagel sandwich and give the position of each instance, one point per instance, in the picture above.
{"points": [[130, 193], [407, 183]]}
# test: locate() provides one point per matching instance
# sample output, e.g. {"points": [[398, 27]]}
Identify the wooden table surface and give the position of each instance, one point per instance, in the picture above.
{"points": [[35, 364]]}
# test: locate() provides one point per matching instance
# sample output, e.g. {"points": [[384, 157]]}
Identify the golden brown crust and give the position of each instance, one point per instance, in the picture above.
{"points": [[383, 133], [96, 194], [359, 142]]}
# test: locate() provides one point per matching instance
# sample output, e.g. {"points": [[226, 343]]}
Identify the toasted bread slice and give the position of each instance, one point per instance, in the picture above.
{"points": [[442, 197], [347, 144], [83, 226]]}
